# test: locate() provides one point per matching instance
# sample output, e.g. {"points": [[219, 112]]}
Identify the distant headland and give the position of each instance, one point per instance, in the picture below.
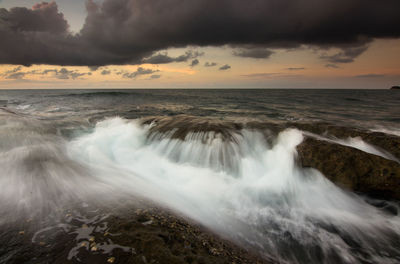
{"points": [[396, 87]]}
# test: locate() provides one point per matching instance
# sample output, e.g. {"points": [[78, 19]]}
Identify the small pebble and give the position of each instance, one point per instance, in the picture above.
{"points": [[111, 260]]}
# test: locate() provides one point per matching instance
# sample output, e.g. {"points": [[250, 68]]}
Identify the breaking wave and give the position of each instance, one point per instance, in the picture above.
{"points": [[245, 188]]}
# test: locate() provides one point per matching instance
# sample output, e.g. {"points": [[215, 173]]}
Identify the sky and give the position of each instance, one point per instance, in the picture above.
{"points": [[199, 44]]}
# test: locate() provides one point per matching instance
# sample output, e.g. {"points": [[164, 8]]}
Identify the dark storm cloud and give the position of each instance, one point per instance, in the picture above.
{"points": [[40, 35], [162, 58], [210, 64], [370, 75], [138, 72], [255, 53], [127, 31], [225, 67], [43, 17]]}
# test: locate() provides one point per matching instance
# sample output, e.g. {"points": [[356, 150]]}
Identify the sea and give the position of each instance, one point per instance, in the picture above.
{"points": [[60, 148]]}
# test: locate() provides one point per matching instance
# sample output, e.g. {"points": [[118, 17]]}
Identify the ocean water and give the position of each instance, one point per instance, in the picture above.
{"points": [[64, 147], [371, 109]]}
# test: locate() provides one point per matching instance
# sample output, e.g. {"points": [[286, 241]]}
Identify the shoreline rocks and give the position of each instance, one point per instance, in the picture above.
{"points": [[160, 236], [352, 169]]}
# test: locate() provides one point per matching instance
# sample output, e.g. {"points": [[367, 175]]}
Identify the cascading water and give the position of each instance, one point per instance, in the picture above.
{"points": [[244, 187]]}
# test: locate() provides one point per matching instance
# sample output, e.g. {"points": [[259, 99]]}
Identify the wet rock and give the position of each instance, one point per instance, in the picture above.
{"points": [[179, 126], [174, 239], [351, 168]]}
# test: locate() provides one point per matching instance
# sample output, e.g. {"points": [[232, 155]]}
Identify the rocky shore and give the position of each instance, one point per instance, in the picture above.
{"points": [[160, 236], [352, 169]]}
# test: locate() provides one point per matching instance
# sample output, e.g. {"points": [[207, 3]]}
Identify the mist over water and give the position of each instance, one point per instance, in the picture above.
{"points": [[246, 187]]}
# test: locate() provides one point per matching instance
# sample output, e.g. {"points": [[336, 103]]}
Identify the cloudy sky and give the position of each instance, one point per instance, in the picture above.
{"points": [[199, 44]]}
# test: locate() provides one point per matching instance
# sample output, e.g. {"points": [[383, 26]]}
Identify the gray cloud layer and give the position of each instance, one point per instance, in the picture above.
{"points": [[63, 73], [255, 53], [140, 71], [105, 72], [295, 68], [224, 67], [127, 31], [330, 65], [347, 54], [162, 58], [194, 62], [210, 64]]}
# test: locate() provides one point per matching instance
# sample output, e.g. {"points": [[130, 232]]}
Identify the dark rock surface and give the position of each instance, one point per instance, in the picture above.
{"points": [[163, 237], [352, 169], [181, 125], [136, 231]]}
